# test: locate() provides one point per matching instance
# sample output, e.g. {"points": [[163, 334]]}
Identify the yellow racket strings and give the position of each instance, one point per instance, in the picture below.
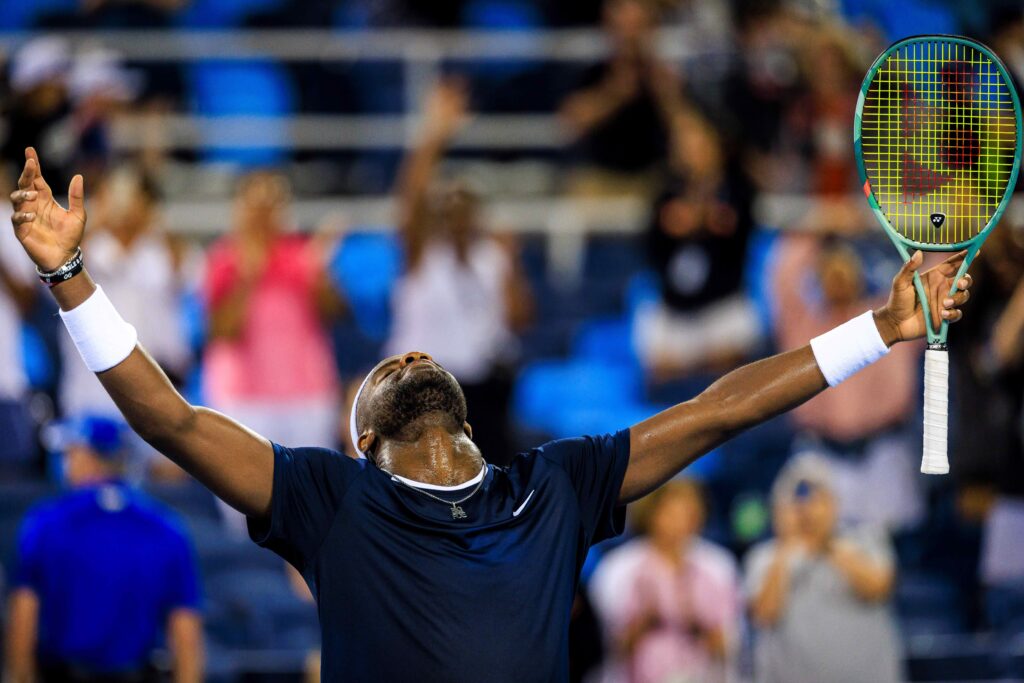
{"points": [[938, 135]]}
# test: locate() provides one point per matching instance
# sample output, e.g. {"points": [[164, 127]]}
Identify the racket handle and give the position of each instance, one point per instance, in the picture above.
{"points": [[936, 411]]}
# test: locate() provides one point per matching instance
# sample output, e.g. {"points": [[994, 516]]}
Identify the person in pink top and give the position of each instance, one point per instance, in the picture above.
{"points": [[269, 357], [675, 610], [861, 427]]}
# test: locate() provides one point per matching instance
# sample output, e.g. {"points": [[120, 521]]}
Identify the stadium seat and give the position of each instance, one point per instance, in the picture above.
{"points": [[210, 14], [605, 339], [365, 268], [567, 397], [189, 499], [927, 596], [259, 90], [22, 15], [953, 658]]}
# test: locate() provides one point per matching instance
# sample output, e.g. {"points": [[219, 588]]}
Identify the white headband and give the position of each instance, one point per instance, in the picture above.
{"points": [[353, 432]]}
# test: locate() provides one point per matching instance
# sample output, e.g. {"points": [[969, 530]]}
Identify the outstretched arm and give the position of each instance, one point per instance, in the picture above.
{"points": [[663, 445], [235, 463]]}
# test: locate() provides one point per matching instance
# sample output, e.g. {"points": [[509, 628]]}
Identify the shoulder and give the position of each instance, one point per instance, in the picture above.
{"points": [[558, 451], [322, 467], [43, 516]]}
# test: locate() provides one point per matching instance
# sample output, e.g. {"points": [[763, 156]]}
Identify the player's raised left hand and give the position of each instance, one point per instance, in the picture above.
{"points": [[49, 233], [902, 319]]}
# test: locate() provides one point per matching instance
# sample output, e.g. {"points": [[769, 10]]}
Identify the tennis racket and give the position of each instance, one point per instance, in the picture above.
{"points": [[937, 140]]}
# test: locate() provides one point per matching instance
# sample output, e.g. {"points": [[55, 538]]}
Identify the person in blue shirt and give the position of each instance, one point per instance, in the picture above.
{"points": [[427, 563], [103, 577]]}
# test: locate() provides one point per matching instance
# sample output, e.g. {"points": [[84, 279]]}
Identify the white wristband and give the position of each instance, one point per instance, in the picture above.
{"points": [[846, 349], [100, 334]]}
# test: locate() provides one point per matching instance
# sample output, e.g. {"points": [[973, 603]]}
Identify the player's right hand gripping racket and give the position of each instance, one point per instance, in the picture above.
{"points": [[937, 139]]}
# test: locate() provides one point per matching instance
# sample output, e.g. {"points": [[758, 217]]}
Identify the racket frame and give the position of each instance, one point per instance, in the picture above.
{"points": [[936, 338]]}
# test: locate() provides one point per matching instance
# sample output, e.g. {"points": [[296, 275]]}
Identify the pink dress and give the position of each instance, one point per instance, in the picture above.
{"points": [[283, 353], [696, 593]]}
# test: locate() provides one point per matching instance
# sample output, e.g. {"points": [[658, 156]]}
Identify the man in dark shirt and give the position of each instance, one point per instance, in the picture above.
{"points": [[427, 563]]}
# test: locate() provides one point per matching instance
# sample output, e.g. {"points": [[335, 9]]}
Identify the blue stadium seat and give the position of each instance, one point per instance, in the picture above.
{"points": [[22, 15], [559, 396], [223, 13], [1004, 607], [365, 269], [189, 499], [953, 658], [613, 258], [261, 90], [605, 339], [920, 595], [914, 18]]}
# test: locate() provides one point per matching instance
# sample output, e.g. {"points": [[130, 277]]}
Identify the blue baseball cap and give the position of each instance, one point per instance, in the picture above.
{"points": [[105, 436]]}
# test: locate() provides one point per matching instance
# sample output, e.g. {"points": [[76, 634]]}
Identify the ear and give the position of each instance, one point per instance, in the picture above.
{"points": [[367, 440], [468, 429]]}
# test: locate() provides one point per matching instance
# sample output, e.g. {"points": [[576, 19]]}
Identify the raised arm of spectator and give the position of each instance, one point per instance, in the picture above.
{"points": [[586, 109], [235, 463], [664, 444], [185, 640], [22, 635], [446, 110]]}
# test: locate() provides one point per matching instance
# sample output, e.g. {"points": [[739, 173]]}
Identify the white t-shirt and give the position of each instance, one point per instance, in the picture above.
{"points": [[142, 284], [455, 311], [18, 266]]}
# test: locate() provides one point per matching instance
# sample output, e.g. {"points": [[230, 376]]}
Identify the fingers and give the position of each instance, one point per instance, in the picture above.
{"points": [[76, 196], [22, 217], [32, 164], [951, 305], [905, 277], [28, 173], [20, 196], [952, 264]]}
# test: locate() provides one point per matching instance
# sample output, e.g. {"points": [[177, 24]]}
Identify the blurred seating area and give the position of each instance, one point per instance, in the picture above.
{"points": [[697, 195]]}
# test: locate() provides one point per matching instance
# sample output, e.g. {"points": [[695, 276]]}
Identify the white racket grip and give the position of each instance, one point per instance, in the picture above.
{"points": [[936, 411]]}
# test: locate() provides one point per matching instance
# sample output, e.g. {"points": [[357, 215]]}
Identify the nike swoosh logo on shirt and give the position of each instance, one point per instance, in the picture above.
{"points": [[515, 513]]}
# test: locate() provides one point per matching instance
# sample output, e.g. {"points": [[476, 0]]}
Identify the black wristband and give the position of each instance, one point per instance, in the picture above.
{"points": [[67, 271]]}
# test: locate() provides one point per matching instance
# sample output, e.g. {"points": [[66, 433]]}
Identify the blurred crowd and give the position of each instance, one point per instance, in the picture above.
{"points": [[810, 545]]}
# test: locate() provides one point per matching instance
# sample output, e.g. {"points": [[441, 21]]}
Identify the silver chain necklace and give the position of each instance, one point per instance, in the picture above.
{"points": [[457, 512]]}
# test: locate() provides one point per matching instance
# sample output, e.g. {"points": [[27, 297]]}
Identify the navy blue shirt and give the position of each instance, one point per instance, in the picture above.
{"points": [[108, 566], [406, 593]]}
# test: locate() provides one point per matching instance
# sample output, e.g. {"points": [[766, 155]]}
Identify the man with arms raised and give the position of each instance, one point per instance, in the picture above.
{"points": [[427, 563]]}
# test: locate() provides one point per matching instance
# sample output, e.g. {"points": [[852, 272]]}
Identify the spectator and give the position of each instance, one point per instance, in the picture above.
{"points": [[818, 597], [987, 443], [696, 242], [861, 427], [39, 112], [269, 361], [17, 295], [147, 273], [462, 295], [103, 576], [669, 599], [822, 118], [621, 111]]}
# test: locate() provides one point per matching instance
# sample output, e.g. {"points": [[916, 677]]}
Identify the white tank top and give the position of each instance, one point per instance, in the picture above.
{"points": [[455, 311]]}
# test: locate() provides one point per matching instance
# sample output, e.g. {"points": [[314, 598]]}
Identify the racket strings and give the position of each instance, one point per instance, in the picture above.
{"points": [[938, 135]]}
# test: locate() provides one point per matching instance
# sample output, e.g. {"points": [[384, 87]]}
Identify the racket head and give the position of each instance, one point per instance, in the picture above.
{"points": [[937, 137]]}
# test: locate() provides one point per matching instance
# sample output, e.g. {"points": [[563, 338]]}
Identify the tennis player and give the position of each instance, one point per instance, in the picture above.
{"points": [[427, 563]]}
